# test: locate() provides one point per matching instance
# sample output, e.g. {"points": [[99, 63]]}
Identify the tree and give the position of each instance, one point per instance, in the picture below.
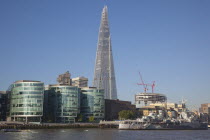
{"points": [[126, 114], [79, 118], [91, 119]]}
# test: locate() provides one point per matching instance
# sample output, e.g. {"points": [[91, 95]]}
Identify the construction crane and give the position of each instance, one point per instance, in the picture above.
{"points": [[143, 84], [153, 86], [146, 85]]}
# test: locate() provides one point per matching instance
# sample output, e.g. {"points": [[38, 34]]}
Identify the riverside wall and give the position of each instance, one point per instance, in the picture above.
{"points": [[20, 125], [48, 126]]}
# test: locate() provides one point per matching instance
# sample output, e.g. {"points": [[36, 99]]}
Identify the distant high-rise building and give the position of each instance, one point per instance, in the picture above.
{"points": [[64, 79], [80, 82], [104, 75]]}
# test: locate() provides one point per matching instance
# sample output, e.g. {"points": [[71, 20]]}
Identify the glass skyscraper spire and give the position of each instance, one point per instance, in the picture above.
{"points": [[104, 75]]}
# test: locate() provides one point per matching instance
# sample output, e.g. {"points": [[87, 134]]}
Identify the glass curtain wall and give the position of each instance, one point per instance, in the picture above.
{"points": [[92, 103], [26, 101], [64, 103], [3, 106]]}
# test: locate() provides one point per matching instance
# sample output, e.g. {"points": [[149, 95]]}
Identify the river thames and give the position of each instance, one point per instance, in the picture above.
{"points": [[106, 134]]}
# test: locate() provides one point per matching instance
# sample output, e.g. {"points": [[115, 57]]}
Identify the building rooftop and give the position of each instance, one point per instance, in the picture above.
{"points": [[58, 85], [78, 78], [21, 81], [153, 94], [89, 88]]}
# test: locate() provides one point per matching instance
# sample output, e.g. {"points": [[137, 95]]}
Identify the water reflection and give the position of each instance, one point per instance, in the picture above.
{"points": [[104, 134]]}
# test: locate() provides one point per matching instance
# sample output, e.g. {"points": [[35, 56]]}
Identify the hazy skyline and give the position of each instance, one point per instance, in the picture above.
{"points": [[168, 41]]}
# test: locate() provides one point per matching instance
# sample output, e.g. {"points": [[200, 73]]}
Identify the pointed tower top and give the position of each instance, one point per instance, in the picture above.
{"points": [[105, 9]]}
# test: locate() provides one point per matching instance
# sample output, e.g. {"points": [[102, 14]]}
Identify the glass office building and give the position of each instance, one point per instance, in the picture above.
{"points": [[92, 103], [3, 105], [26, 101], [61, 103]]}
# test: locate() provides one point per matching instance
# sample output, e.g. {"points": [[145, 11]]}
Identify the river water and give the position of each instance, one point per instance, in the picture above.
{"points": [[106, 134]]}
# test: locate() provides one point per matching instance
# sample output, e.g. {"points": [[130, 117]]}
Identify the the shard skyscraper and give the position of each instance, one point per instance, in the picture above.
{"points": [[104, 75]]}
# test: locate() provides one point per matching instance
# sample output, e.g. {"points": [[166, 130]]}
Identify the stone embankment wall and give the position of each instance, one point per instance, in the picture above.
{"points": [[48, 126]]}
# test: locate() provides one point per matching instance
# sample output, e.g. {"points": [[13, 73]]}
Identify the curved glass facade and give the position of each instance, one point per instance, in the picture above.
{"points": [[92, 103], [63, 103], [26, 101]]}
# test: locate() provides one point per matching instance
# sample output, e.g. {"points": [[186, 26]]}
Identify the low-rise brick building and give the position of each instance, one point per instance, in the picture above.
{"points": [[113, 107]]}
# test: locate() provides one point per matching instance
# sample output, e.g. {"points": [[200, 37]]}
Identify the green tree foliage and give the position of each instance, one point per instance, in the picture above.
{"points": [[91, 119], [126, 114], [80, 118]]}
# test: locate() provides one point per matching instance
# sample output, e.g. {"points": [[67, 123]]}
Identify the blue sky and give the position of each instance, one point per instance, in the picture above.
{"points": [[167, 40]]}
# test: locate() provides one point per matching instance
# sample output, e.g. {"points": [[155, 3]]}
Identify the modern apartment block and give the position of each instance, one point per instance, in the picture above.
{"points": [[92, 103], [26, 101], [61, 104], [80, 82], [29, 101]]}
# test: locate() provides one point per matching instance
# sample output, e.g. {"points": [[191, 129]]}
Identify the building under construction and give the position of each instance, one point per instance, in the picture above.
{"points": [[145, 99]]}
